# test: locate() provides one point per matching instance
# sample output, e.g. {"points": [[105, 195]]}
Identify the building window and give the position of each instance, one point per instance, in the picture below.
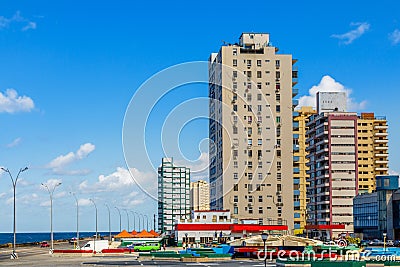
{"points": [[234, 86], [259, 130], [250, 164], [250, 176], [250, 210], [235, 74], [258, 62], [278, 86], [235, 199], [259, 96], [278, 108], [234, 51], [277, 63], [235, 130], [258, 74], [278, 119], [260, 199], [235, 164], [260, 210], [259, 118], [235, 187], [279, 176], [235, 62], [278, 75], [259, 108], [258, 85], [235, 176], [259, 142], [234, 107], [278, 97], [279, 153], [260, 176], [278, 165], [250, 199], [249, 131], [249, 141], [235, 210]]}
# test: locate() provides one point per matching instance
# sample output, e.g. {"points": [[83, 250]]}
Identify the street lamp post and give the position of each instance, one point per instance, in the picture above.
{"points": [[138, 215], [120, 221], [77, 220], [142, 218], [127, 217], [95, 239], [14, 183], [186, 241], [109, 222], [264, 237], [134, 224], [51, 193], [147, 222], [384, 241]]}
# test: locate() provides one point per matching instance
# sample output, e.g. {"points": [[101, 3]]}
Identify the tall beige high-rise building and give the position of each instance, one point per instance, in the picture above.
{"points": [[300, 168], [332, 175], [251, 130], [199, 195], [373, 157]]}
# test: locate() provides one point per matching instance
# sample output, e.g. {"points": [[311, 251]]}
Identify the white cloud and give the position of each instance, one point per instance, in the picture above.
{"points": [[58, 164], [2, 195], [394, 37], [349, 37], [14, 143], [11, 102], [393, 172], [121, 180], [328, 84], [84, 202], [25, 199], [30, 26], [17, 19], [51, 183]]}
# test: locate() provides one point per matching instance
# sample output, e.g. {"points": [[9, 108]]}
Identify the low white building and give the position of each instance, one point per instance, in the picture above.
{"points": [[205, 227]]}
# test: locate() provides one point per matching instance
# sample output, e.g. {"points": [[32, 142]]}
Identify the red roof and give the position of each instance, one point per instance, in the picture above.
{"points": [[228, 227], [325, 226]]}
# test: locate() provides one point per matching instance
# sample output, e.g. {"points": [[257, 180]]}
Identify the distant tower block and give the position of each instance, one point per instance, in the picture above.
{"points": [[331, 101]]}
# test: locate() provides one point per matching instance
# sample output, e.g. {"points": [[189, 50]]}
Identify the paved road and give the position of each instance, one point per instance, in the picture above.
{"points": [[35, 256]]}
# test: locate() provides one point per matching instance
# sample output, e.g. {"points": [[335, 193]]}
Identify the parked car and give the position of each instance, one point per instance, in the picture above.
{"points": [[147, 247], [72, 240], [44, 244], [376, 242], [390, 243]]}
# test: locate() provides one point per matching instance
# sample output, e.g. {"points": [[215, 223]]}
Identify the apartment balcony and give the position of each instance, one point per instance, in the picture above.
{"points": [[381, 134], [295, 114], [296, 181], [381, 155], [380, 127], [381, 161], [327, 184], [296, 148], [296, 204], [381, 148], [295, 102], [295, 92], [296, 159], [296, 170], [381, 169], [380, 141], [295, 125]]}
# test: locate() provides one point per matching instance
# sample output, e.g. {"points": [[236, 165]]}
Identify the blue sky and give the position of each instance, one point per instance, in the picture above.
{"points": [[79, 64]]}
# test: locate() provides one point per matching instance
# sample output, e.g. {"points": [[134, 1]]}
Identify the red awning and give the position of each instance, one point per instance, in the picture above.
{"points": [[229, 227], [326, 227]]}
